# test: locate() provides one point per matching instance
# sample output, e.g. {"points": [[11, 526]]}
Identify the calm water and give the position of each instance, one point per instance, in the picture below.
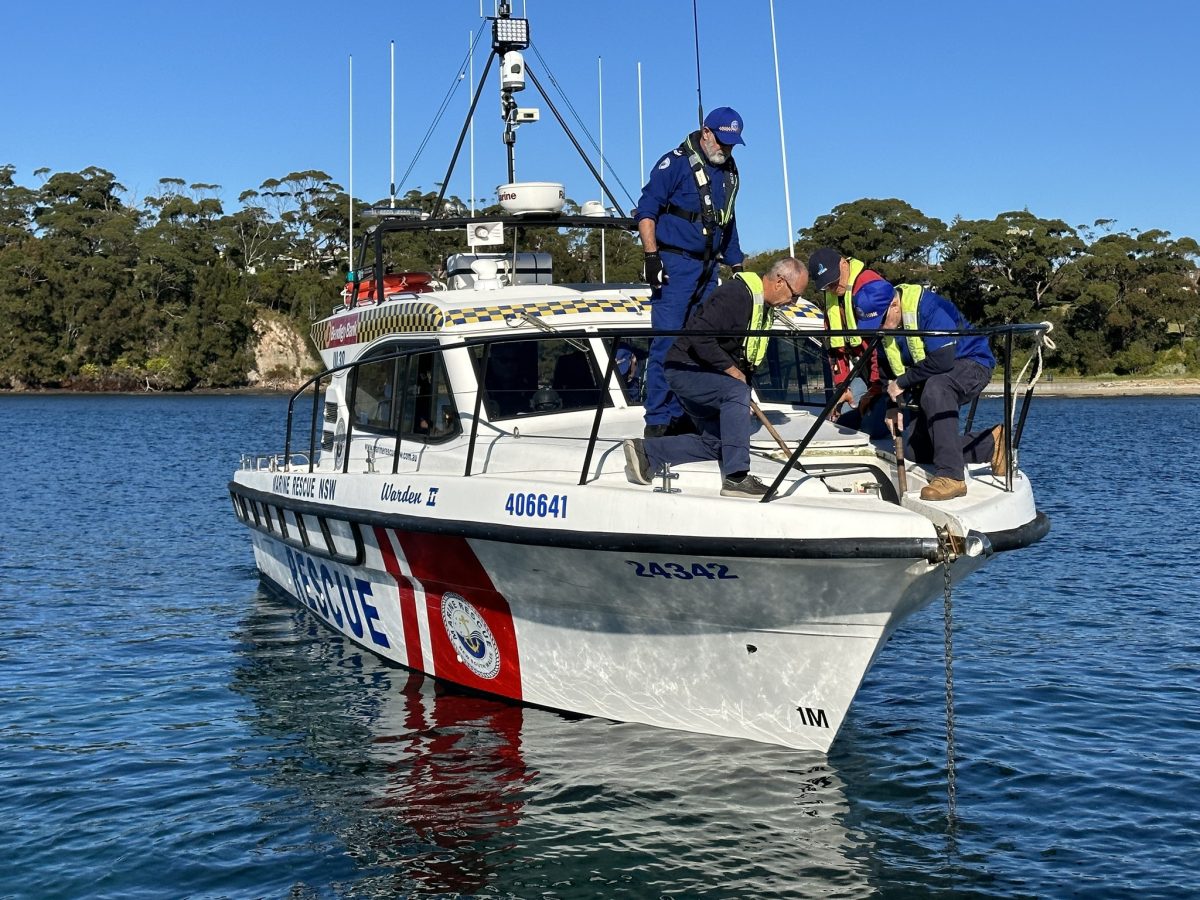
{"points": [[167, 729]]}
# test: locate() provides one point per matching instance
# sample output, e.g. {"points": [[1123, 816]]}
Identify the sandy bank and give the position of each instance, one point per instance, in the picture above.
{"points": [[1115, 387]]}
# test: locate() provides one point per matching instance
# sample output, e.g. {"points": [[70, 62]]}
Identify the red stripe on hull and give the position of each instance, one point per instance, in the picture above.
{"points": [[450, 572], [408, 603]]}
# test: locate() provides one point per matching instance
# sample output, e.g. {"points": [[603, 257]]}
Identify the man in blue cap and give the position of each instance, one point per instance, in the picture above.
{"points": [[686, 222], [949, 371]]}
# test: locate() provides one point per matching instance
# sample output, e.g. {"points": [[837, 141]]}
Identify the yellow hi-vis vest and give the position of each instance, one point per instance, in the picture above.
{"points": [[840, 310], [910, 299], [760, 319]]}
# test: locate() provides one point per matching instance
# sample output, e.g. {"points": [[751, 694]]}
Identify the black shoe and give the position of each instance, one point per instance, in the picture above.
{"points": [[655, 431], [637, 466], [682, 425], [746, 486]]}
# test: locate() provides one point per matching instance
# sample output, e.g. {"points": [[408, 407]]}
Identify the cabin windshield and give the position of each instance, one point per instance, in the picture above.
{"points": [[535, 377], [793, 371], [407, 396]]}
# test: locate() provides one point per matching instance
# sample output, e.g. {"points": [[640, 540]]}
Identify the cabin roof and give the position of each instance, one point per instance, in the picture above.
{"points": [[472, 312]]}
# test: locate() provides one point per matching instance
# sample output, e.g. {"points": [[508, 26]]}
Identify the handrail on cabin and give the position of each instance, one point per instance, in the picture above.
{"points": [[874, 338]]}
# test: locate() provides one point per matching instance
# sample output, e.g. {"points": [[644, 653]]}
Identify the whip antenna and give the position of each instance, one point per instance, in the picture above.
{"points": [[699, 96]]}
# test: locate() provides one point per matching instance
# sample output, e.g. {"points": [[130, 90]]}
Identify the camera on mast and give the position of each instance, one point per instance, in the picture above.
{"points": [[512, 71]]}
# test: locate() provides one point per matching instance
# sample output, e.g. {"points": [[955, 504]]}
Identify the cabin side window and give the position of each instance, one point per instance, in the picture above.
{"points": [[536, 377], [407, 396]]}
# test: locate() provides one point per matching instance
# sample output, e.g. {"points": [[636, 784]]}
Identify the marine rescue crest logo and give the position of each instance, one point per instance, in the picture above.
{"points": [[469, 633]]}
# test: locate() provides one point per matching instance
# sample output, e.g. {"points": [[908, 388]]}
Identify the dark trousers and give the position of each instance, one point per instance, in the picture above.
{"points": [[669, 307], [720, 407], [934, 435]]}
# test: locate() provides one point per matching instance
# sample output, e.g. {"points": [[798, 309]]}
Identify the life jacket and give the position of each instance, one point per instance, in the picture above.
{"points": [[840, 310], [755, 347], [709, 215], [910, 299]]}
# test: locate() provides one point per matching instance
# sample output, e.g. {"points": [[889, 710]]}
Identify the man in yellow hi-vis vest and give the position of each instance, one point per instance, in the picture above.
{"points": [[710, 376], [948, 370], [839, 278]]}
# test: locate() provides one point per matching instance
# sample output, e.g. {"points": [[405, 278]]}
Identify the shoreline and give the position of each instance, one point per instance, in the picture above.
{"points": [[1058, 387], [1107, 387]]}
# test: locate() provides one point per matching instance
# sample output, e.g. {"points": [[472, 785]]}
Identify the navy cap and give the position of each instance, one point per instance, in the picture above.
{"points": [[825, 268], [871, 303], [726, 124]]}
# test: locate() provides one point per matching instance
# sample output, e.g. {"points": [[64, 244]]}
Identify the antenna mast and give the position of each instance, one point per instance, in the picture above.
{"points": [[787, 195], [600, 84], [699, 96], [393, 124]]}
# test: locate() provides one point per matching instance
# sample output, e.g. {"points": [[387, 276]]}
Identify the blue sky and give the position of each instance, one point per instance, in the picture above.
{"points": [[1074, 110]]}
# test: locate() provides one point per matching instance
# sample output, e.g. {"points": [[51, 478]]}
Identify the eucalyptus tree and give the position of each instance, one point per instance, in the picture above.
{"points": [[24, 300], [310, 206], [1006, 269], [87, 253], [891, 236], [1127, 299], [250, 238]]}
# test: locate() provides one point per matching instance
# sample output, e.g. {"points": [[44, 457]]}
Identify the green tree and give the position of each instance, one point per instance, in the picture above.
{"points": [[1006, 269], [88, 251], [894, 238], [1136, 293], [213, 342]]}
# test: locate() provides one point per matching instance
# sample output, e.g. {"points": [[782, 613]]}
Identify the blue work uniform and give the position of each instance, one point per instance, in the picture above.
{"points": [[672, 200], [954, 372]]}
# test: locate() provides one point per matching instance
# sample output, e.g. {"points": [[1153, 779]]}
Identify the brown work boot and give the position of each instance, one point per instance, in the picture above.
{"points": [[999, 452], [943, 488]]}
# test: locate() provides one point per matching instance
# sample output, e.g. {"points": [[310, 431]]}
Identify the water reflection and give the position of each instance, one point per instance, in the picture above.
{"points": [[429, 790]]}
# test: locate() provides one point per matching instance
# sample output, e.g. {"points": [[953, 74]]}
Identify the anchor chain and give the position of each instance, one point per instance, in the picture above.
{"points": [[946, 546]]}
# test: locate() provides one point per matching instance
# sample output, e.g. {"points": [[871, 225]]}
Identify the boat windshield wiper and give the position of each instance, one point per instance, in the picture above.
{"points": [[514, 319]]}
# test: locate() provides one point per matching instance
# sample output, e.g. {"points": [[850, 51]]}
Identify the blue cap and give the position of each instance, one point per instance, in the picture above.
{"points": [[726, 124], [825, 268], [871, 303]]}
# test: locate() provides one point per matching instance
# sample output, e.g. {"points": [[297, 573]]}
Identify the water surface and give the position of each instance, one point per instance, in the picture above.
{"points": [[169, 729]]}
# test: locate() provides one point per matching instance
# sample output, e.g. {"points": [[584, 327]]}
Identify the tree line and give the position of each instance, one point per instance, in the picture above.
{"points": [[1122, 302], [100, 292]]}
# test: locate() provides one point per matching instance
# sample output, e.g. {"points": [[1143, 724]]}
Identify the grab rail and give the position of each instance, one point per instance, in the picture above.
{"points": [[873, 338]]}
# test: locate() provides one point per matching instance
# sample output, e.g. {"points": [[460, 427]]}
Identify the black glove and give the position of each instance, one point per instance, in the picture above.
{"points": [[737, 267], [653, 272]]}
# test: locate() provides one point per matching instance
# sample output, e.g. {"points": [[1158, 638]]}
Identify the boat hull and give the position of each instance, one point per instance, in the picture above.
{"points": [[770, 649]]}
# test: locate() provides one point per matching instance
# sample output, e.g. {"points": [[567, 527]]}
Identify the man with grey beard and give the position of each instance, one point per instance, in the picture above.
{"points": [[686, 222]]}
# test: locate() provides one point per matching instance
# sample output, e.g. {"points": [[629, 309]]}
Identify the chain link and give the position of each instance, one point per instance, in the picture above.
{"points": [[944, 544]]}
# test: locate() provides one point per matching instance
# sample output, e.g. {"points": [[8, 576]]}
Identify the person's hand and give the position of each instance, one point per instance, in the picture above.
{"points": [[735, 372], [653, 272], [847, 397], [894, 390], [894, 423]]}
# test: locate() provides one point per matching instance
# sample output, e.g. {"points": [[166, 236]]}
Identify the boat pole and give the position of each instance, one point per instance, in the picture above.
{"points": [[762, 417], [898, 435]]}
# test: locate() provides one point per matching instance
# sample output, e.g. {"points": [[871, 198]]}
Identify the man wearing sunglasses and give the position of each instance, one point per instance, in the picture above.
{"points": [[710, 375], [686, 222]]}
